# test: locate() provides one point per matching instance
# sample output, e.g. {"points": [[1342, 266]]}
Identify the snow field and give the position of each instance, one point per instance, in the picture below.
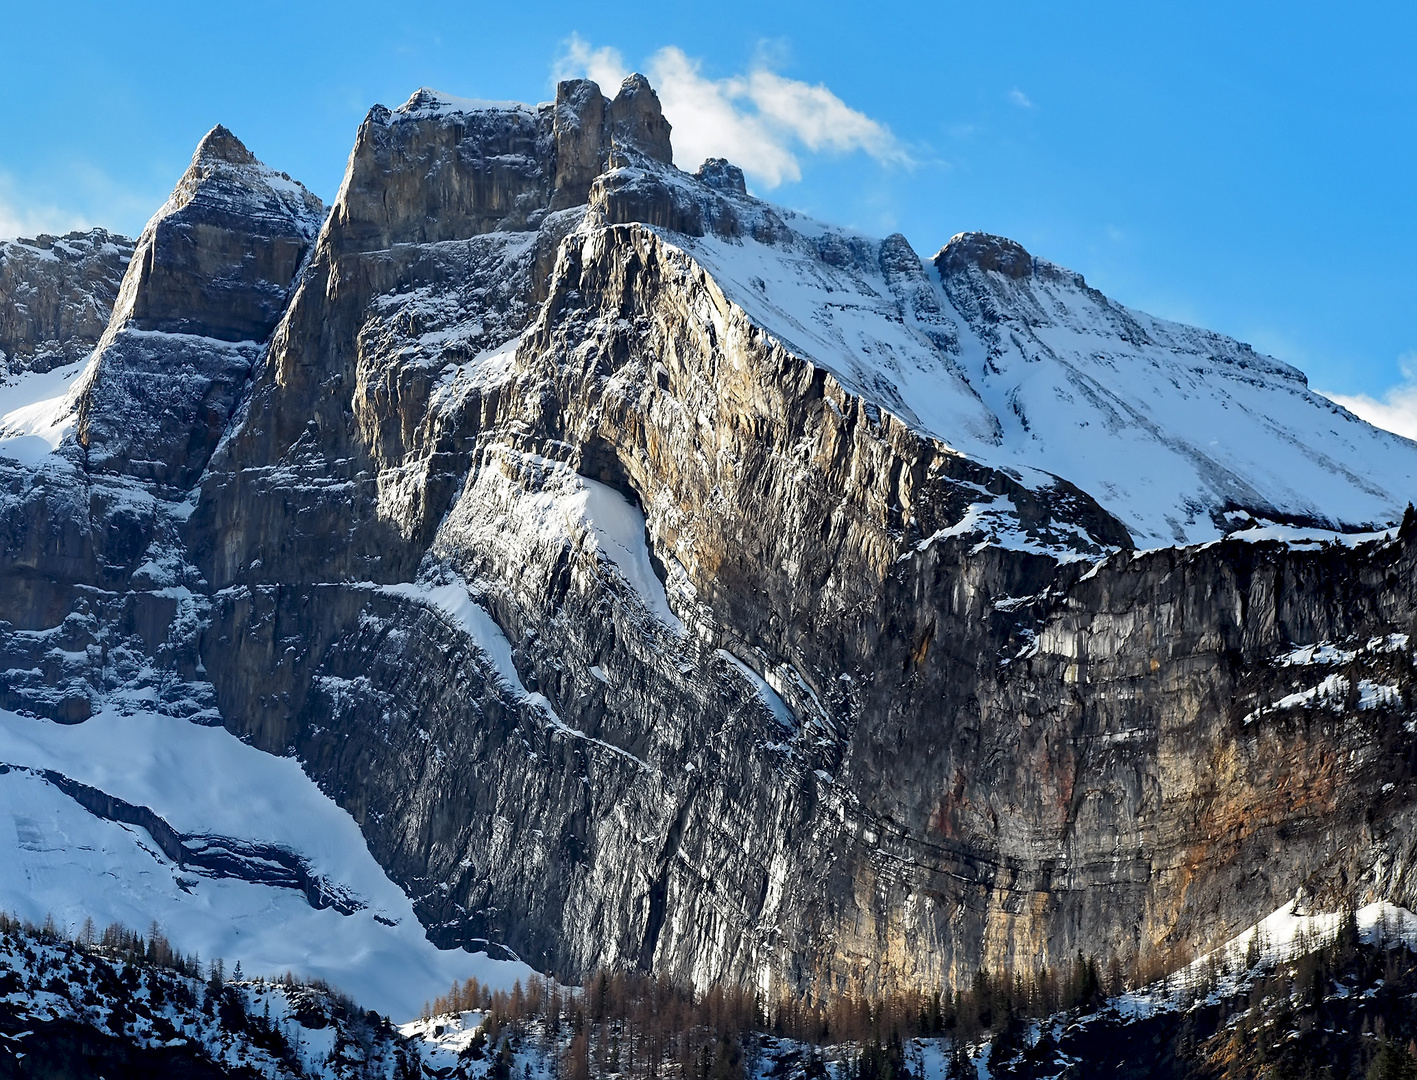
{"points": [[61, 859]]}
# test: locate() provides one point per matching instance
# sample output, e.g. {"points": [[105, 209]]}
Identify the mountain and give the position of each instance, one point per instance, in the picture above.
{"points": [[548, 554], [1298, 994], [1177, 432], [56, 295]]}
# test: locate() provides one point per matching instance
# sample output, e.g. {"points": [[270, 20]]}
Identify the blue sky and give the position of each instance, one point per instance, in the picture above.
{"points": [[1247, 167]]}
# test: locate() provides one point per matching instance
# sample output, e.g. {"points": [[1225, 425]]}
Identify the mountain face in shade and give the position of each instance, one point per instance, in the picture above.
{"points": [[208, 281], [580, 560]]}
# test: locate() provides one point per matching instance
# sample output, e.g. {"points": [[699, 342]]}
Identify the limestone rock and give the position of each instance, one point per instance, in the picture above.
{"points": [[206, 285], [581, 140], [722, 175], [687, 633], [986, 252], [56, 295], [636, 120]]}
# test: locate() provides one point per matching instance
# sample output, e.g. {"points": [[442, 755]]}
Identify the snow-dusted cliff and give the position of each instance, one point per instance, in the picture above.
{"points": [[659, 579]]}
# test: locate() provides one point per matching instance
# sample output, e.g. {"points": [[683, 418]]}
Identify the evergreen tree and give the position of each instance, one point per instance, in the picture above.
{"points": [[1392, 1062]]}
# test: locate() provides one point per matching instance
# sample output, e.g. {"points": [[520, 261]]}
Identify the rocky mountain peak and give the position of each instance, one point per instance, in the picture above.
{"points": [[220, 144], [722, 175], [56, 294], [898, 257], [637, 120], [215, 263], [987, 252], [580, 139], [586, 524]]}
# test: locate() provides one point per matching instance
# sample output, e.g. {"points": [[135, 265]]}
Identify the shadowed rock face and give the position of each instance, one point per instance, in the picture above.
{"points": [[637, 120], [724, 175], [733, 684], [206, 285], [56, 295], [219, 257]]}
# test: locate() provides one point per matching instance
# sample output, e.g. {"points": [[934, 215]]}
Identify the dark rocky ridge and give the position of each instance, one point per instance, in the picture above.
{"points": [[983, 755], [206, 285]]}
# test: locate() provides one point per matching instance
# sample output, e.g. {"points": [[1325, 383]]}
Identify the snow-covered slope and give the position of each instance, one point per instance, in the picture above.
{"points": [[1019, 363], [219, 794], [37, 411]]}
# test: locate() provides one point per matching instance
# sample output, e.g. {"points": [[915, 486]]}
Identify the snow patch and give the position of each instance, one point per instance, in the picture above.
{"points": [[36, 412], [770, 698]]}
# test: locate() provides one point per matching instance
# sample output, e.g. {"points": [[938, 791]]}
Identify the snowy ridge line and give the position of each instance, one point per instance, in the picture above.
{"points": [[995, 520], [455, 603], [1168, 427], [213, 856], [1282, 936]]}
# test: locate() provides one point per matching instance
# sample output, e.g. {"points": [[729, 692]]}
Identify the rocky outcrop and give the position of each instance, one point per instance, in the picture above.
{"points": [[986, 252], [206, 285], [636, 120], [584, 531], [56, 295]]}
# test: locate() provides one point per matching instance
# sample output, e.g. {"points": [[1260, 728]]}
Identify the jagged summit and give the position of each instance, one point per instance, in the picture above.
{"points": [[660, 579], [1179, 433], [220, 144], [56, 293], [216, 262], [637, 120], [723, 175], [426, 102]]}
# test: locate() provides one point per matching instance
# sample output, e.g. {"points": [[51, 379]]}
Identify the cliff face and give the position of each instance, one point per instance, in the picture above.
{"points": [[588, 530], [208, 281], [56, 294]]}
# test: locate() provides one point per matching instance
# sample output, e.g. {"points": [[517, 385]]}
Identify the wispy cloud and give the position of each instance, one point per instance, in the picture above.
{"points": [[1396, 410], [759, 120], [91, 196], [580, 60], [22, 217], [1019, 98]]}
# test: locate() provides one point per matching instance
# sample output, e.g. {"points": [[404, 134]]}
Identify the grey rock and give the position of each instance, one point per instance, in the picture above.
{"points": [[751, 702], [987, 252], [581, 140], [56, 295], [722, 175], [207, 283], [636, 120]]}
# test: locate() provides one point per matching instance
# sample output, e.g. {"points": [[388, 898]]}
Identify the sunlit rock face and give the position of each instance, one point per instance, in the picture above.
{"points": [[56, 294], [664, 580]]}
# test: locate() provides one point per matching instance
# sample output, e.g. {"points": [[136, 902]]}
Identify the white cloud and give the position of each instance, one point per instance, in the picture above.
{"points": [[18, 217], [759, 120], [90, 197], [1396, 410], [1019, 98], [604, 66]]}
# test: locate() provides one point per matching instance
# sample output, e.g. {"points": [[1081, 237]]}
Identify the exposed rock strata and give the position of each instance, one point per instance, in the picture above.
{"points": [[631, 635], [56, 295], [206, 285]]}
